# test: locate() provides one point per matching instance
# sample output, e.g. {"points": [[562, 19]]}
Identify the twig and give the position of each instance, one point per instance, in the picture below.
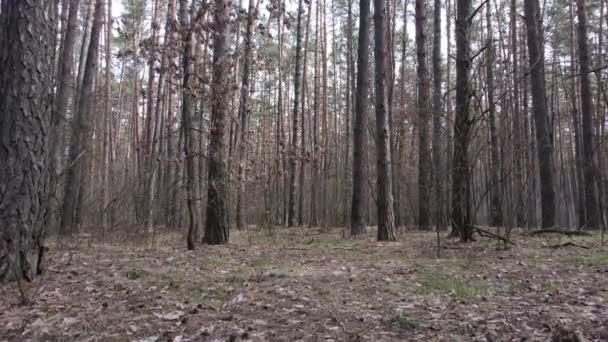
{"points": [[566, 244], [560, 231], [487, 233]]}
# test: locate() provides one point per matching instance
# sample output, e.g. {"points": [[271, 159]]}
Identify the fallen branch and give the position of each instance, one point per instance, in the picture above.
{"points": [[487, 233], [560, 231], [567, 244]]}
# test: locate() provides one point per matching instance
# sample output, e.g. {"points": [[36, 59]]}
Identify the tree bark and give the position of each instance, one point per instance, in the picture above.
{"points": [[424, 107], [359, 199], [592, 219], [25, 116], [461, 199], [386, 217], [217, 228], [81, 132], [291, 219], [544, 140]]}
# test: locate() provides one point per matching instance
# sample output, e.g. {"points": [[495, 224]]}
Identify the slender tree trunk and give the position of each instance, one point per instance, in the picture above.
{"points": [[438, 148], [592, 219], [541, 119], [66, 63], [244, 110], [188, 109], [496, 194], [359, 200], [217, 228], [386, 218], [291, 219], [461, 199], [26, 99], [81, 131], [424, 107]]}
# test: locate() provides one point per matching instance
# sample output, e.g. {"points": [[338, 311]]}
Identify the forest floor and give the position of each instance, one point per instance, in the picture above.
{"points": [[307, 284]]}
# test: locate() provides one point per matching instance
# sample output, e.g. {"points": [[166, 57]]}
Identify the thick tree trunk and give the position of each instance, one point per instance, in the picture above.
{"points": [[217, 228], [359, 199], [541, 119], [386, 217], [25, 116]]}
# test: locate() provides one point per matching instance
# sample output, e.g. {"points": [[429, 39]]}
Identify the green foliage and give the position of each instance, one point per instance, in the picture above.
{"points": [[402, 322], [134, 274], [436, 282]]}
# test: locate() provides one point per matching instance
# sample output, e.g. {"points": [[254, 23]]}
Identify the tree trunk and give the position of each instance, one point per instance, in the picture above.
{"points": [[461, 199], [541, 119], [244, 111], [386, 218], [592, 219], [496, 194], [81, 132], [291, 219], [61, 104], [438, 146], [359, 199], [424, 107], [25, 116], [188, 110], [217, 228]]}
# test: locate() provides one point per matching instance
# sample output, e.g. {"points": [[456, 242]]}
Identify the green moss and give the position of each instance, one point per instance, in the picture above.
{"points": [[134, 274]]}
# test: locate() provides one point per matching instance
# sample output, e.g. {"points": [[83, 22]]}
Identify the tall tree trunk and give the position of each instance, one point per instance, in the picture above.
{"points": [[244, 110], [541, 119], [461, 199], [496, 194], [81, 132], [386, 218], [303, 126], [291, 219], [25, 116], [424, 107], [66, 63], [438, 147], [359, 199], [217, 228], [592, 219], [188, 110]]}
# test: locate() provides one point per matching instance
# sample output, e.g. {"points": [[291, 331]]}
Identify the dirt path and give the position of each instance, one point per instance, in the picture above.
{"points": [[302, 284]]}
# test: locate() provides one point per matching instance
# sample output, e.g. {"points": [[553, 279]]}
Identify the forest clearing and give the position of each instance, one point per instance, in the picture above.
{"points": [[313, 285]]}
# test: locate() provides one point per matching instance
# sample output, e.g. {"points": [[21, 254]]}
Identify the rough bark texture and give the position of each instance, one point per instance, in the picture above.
{"points": [[359, 199], [544, 141], [291, 215], [25, 115], [424, 107], [217, 227], [461, 201], [592, 219], [81, 132], [386, 217]]}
